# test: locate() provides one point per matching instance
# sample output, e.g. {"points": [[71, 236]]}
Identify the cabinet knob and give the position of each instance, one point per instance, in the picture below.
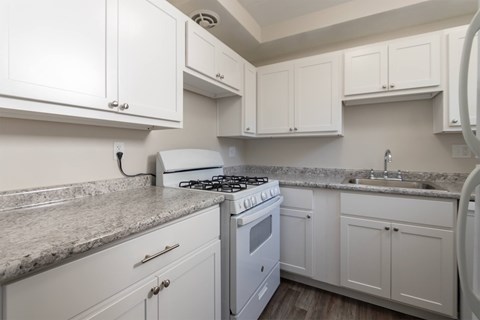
{"points": [[295, 129], [384, 87], [222, 76], [155, 290], [248, 129], [217, 75], [166, 283], [113, 104], [290, 129], [308, 216], [454, 120], [392, 86], [395, 229], [387, 228], [124, 106]]}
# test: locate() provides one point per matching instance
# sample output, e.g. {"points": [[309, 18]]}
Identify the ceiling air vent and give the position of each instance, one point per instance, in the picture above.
{"points": [[206, 18]]}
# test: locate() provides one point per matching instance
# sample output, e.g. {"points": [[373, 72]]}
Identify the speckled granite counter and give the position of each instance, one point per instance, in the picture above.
{"points": [[38, 236], [333, 179]]}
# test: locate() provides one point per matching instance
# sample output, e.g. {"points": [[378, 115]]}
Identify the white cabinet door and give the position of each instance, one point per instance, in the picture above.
{"points": [[250, 99], [149, 59], [296, 241], [414, 62], [275, 99], [200, 50], [191, 289], [58, 51], [366, 70], [423, 267], [455, 46], [318, 103], [229, 67], [365, 256], [137, 302]]}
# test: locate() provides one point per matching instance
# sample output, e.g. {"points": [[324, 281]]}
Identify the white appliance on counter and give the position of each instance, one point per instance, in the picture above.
{"points": [[468, 242], [249, 226]]}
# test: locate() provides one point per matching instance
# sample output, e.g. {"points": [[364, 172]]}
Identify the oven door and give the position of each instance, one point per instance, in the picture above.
{"points": [[254, 250]]}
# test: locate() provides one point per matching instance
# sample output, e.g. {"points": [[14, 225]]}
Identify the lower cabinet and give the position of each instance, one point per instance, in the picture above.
{"points": [[309, 233], [407, 262], [179, 280], [172, 294]]}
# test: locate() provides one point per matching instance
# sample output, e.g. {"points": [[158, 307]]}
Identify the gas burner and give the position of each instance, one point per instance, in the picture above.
{"points": [[241, 179], [214, 185]]}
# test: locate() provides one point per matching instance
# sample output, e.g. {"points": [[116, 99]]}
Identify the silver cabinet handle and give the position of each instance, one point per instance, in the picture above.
{"points": [[113, 104], [124, 106], [454, 120], [158, 254], [155, 290], [166, 283]]}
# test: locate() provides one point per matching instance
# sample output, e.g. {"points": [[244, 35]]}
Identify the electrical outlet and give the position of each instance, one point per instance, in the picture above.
{"points": [[461, 151], [118, 147]]}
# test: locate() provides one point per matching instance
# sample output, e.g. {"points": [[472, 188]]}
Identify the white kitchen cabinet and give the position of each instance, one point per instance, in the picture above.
{"points": [[67, 62], [237, 116], [400, 248], [210, 57], [407, 63], [300, 97], [128, 290], [296, 234], [365, 256], [446, 105]]}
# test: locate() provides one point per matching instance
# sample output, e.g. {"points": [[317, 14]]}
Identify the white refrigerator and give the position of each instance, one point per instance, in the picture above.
{"points": [[468, 227]]}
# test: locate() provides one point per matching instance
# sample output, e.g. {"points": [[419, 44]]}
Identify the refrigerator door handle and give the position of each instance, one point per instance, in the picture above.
{"points": [[471, 183], [471, 139]]}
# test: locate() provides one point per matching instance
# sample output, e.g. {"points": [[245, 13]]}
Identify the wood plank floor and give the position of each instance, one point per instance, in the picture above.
{"points": [[296, 301]]}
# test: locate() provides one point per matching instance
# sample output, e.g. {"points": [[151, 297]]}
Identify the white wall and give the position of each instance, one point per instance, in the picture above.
{"points": [[403, 127], [38, 153]]}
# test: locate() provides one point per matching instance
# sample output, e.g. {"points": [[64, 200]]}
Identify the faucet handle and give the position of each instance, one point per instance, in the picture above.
{"points": [[399, 175], [372, 175]]}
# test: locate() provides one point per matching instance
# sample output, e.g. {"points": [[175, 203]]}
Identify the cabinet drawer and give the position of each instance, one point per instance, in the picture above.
{"points": [[434, 212], [297, 198], [80, 284]]}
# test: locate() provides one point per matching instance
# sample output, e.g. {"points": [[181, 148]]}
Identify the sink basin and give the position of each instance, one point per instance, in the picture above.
{"points": [[391, 183]]}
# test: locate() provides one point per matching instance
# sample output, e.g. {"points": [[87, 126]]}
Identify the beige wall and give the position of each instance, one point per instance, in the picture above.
{"points": [[403, 127], [38, 153]]}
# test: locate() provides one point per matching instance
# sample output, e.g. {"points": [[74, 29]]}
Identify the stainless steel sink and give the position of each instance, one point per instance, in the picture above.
{"points": [[392, 183]]}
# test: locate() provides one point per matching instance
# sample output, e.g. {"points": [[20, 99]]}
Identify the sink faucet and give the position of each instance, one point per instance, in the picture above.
{"points": [[386, 159]]}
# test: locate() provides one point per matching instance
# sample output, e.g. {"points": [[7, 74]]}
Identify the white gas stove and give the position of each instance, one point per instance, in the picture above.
{"points": [[250, 226]]}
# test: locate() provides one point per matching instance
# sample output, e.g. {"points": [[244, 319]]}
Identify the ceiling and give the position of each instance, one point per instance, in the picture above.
{"points": [[266, 30]]}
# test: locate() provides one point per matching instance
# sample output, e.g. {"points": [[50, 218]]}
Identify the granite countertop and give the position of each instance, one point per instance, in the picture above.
{"points": [[39, 236], [334, 179]]}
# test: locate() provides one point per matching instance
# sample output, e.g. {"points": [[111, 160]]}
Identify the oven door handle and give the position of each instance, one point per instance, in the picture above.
{"points": [[259, 214]]}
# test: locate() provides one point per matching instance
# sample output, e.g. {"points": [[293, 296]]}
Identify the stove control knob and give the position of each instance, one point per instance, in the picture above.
{"points": [[264, 196], [277, 191], [272, 192], [247, 203], [254, 200]]}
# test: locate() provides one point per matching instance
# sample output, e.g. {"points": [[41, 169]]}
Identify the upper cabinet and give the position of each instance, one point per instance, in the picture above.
{"points": [[300, 97], [387, 68], [236, 116], [446, 106], [212, 59], [85, 57]]}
